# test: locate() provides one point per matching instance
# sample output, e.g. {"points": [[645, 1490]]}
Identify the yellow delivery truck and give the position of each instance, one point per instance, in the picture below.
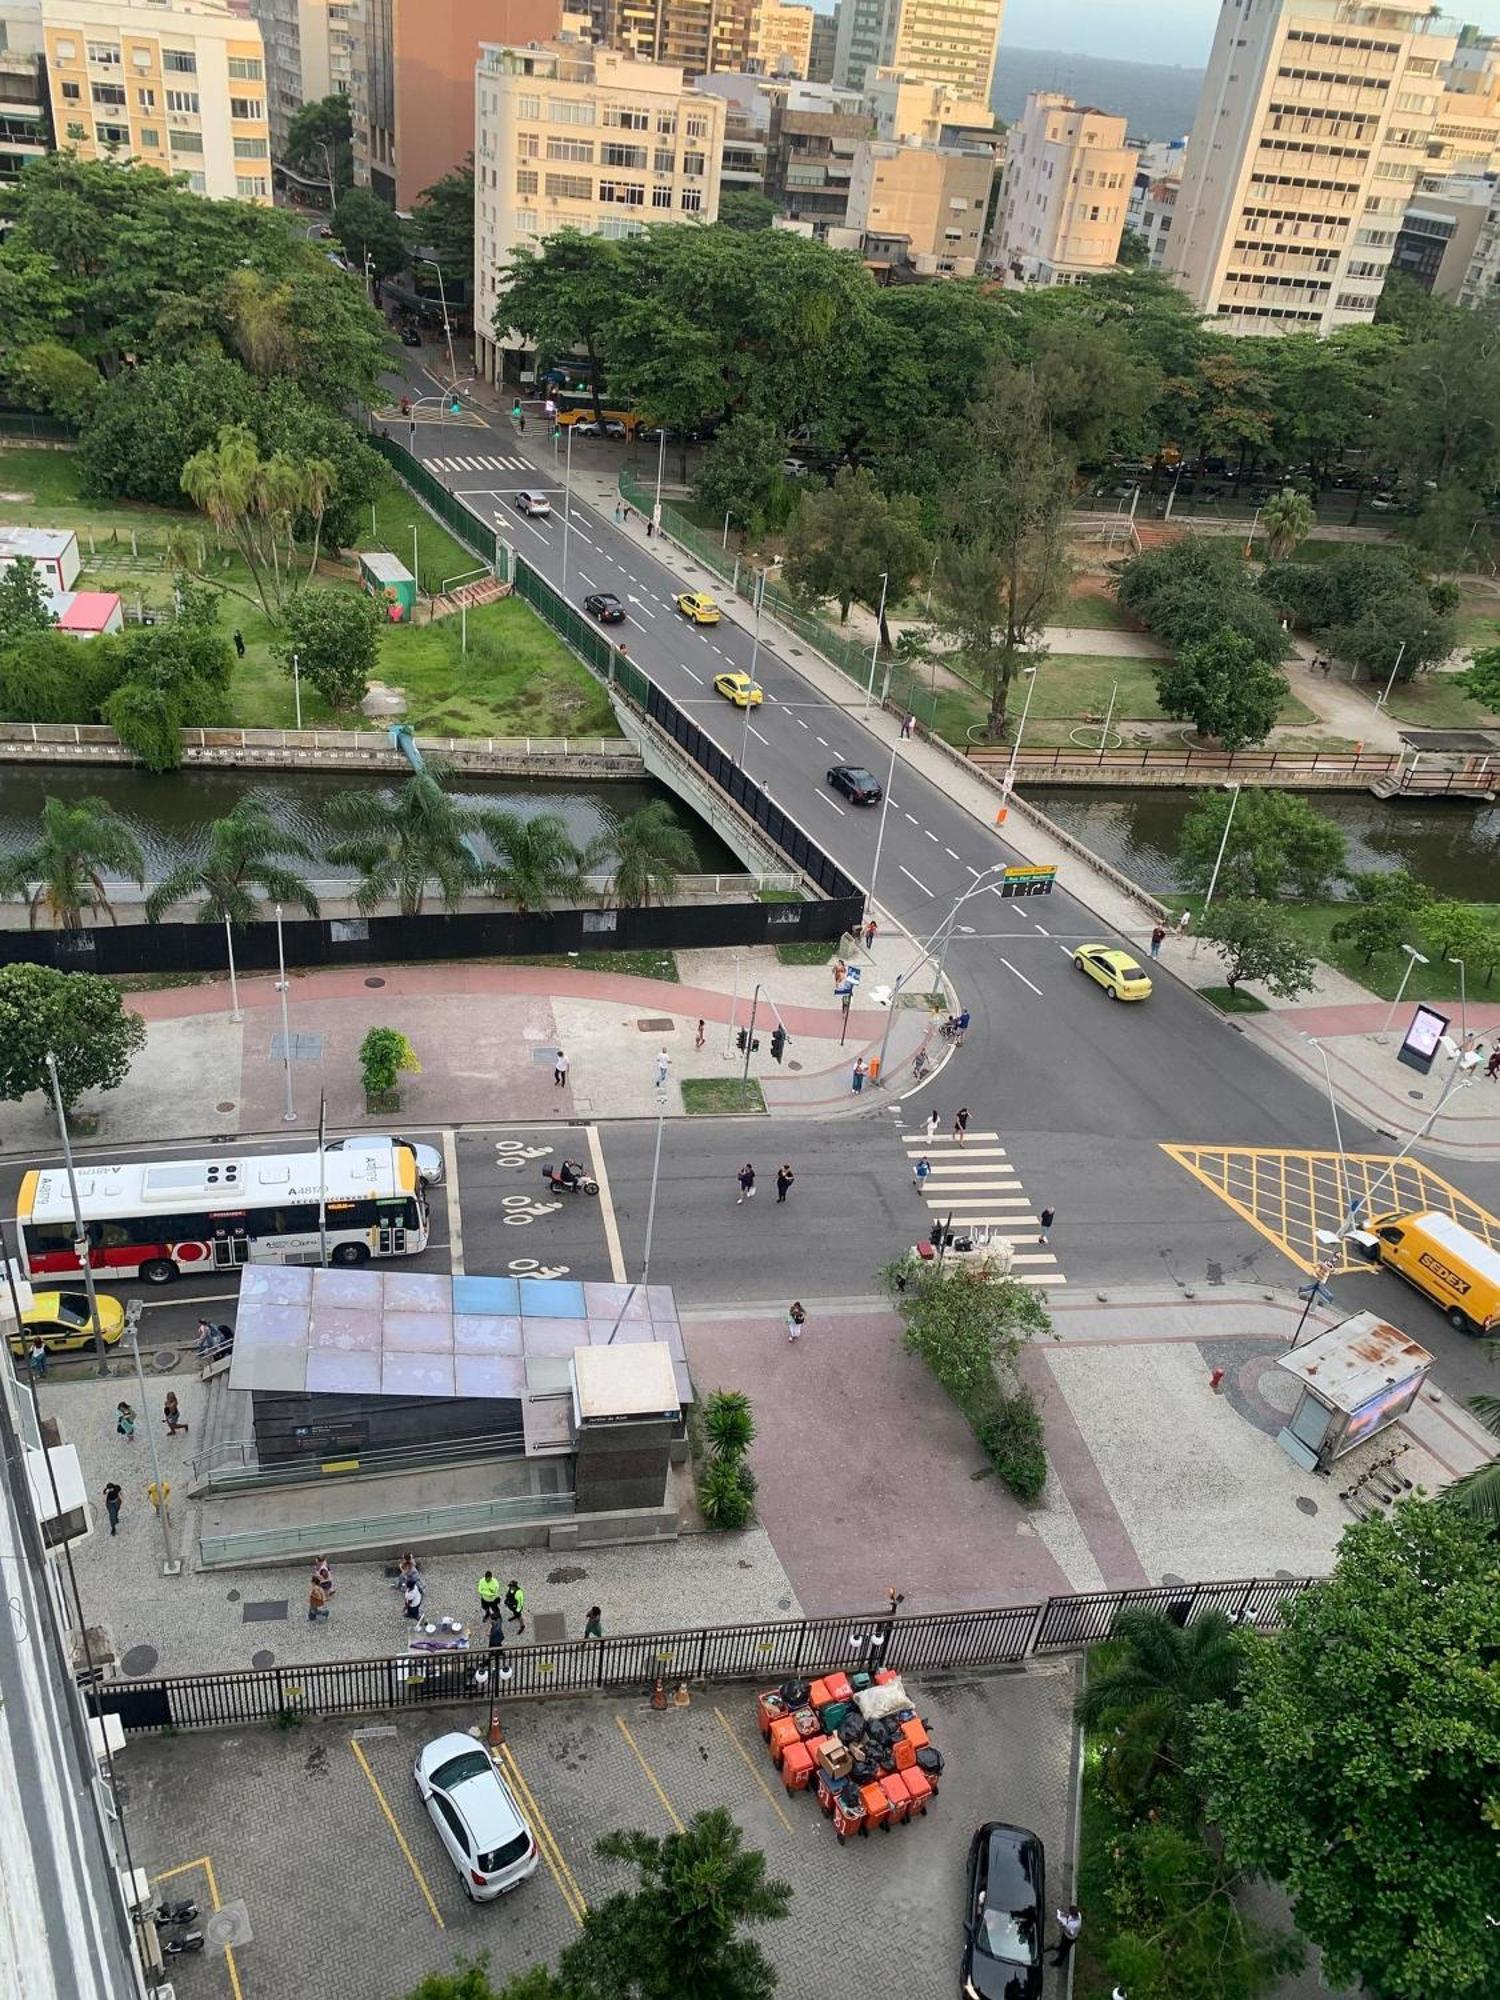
{"points": [[1456, 1269]]}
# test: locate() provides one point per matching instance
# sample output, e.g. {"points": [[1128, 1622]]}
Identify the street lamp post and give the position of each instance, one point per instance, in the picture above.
{"points": [[289, 1115], [169, 1563], [1385, 694], [939, 938], [661, 466], [1213, 880], [297, 687], [661, 1112], [567, 510], [885, 806], [447, 323], [234, 984], [81, 1246], [1338, 1134], [1463, 997], [1015, 748], [875, 649], [1413, 958], [759, 595]]}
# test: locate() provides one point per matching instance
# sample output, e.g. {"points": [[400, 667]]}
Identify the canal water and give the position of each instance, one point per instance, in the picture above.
{"points": [[169, 812], [1454, 849]]}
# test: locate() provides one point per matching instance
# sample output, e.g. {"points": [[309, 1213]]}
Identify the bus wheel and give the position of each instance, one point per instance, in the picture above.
{"points": [[351, 1253], [160, 1271]]}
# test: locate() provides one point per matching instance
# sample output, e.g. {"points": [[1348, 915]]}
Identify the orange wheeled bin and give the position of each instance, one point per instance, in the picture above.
{"points": [[877, 1808], [848, 1811], [796, 1767], [828, 1790], [893, 1784], [769, 1708], [919, 1790], [783, 1731]]}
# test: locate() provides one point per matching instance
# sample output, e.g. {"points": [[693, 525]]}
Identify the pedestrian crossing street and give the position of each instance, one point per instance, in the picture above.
{"points": [[479, 465], [976, 1185]]}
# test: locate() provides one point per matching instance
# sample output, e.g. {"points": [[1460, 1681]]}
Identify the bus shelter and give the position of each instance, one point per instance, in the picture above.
{"points": [[1356, 1379]]}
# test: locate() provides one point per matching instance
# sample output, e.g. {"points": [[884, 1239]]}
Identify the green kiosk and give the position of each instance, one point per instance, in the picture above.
{"points": [[387, 577]]}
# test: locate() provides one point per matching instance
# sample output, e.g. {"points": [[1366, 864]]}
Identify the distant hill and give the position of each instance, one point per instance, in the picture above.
{"points": [[1158, 100]]}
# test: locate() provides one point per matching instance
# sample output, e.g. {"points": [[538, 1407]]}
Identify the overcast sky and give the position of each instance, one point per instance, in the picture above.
{"points": [[1160, 31]]}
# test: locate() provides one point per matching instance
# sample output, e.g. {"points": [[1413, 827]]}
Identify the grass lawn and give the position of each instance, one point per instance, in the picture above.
{"points": [[49, 480], [1433, 702], [1233, 1000], [1094, 609], [1383, 974], [715, 1095], [637, 964]]}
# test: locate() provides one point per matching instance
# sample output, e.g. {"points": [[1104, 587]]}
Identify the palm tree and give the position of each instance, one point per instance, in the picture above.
{"points": [[63, 872], [402, 844], [541, 862], [1478, 1492], [1287, 519], [244, 856], [1148, 1693], [651, 850]]}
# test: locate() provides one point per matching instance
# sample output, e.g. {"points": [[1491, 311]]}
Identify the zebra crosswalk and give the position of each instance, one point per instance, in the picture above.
{"points": [[472, 464], [976, 1188]]}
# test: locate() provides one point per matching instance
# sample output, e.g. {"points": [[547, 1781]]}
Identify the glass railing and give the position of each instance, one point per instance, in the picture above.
{"points": [[414, 1525]]}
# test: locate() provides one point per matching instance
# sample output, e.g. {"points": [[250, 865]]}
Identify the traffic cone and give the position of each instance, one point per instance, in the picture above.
{"points": [[682, 1699], [658, 1694]]}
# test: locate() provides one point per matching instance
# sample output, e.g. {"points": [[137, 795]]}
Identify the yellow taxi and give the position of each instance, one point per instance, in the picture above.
{"points": [[698, 607], [740, 689], [61, 1320], [1116, 971]]}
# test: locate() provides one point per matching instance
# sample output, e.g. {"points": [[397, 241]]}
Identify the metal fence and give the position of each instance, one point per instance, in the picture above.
{"points": [[936, 1642], [44, 430], [471, 530]]}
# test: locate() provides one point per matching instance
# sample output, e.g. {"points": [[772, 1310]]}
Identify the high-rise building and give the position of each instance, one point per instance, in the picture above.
{"points": [[1068, 180], [939, 41], [1440, 233], [181, 87], [1466, 137], [436, 48], [823, 47], [572, 137], [25, 108], [781, 37], [815, 133], [694, 36], [1312, 132], [308, 57]]}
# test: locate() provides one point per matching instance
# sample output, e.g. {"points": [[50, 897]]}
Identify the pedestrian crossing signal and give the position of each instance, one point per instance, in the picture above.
{"points": [[778, 1044]]}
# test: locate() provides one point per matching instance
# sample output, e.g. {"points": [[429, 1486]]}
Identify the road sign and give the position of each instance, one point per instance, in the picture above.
{"points": [[1027, 882], [853, 974]]}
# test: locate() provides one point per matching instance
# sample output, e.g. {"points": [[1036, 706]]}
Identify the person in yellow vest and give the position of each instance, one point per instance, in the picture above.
{"points": [[159, 1495], [489, 1593]]}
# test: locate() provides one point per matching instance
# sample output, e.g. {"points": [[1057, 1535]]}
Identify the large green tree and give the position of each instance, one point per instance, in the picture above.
{"points": [[334, 638], [1223, 688], [741, 473], [1442, 418], [1258, 941], [564, 296], [1384, 913], [1358, 1764], [25, 606], [78, 1018], [539, 862], [854, 543], [371, 234], [62, 872], [443, 225], [1144, 1697], [1278, 842], [1190, 591], [320, 141], [652, 848]]}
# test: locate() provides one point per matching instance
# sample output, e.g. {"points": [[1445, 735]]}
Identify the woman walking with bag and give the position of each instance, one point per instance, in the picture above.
{"points": [[796, 1319]]}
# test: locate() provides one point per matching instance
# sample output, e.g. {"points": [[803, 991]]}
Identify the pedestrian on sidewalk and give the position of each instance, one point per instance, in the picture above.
{"points": [[1184, 918], [37, 1359], [593, 1623], [515, 1605], [784, 1179], [1492, 1067], [171, 1416], [1158, 937], [494, 1636], [871, 927], [125, 1422], [746, 1179], [661, 1067], [560, 1070], [961, 1123], [239, 643], [1048, 1217], [650, 526], [317, 1602], [159, 1495], [411, 1595], [796, 1319], [908, 723], [323, 1576], [700, 1037], [920, 1172], [933, 1122], [488, 1588], [626, 512], [840, 973], [1069, 1924], [857, 1079], [112, 1498]]}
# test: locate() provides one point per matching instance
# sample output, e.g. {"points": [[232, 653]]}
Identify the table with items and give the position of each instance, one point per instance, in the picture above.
{"points": [[857, 1743]]}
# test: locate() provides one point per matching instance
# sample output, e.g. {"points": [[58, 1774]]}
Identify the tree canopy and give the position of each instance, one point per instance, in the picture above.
{"points": [[78, 1018]]}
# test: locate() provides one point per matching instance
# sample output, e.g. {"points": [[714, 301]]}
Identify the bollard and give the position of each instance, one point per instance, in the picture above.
{"points": [[658, 1694], [1216, 1381], [1002, 815]]}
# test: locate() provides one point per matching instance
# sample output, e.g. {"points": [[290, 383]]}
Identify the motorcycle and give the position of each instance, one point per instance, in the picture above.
{"points": [[572, 1177]]}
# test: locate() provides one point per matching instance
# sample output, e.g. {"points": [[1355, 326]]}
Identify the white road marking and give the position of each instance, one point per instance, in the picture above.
{"points": [[824, 741], [758, 737], [950, 854], [1044, 930], [450, 1191], [801, 724], [931, 835], [606, 1206], [587, 581], [640, 606], [912, 878], [1021, 976], [829, 802], [972, 869], [913, 818]]}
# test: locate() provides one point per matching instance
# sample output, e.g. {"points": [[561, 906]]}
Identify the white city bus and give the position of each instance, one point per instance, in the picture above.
{"points": [[155, 1220]]}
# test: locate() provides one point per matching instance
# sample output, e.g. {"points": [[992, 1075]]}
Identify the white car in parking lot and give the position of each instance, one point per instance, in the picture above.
{"points": [[477, 1820]]}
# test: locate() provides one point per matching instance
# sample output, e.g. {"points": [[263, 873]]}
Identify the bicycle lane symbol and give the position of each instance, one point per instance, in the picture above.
{"points": [[528, 1267]]}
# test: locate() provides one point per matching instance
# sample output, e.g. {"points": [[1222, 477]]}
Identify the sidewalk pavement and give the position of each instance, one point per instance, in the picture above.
{"points": [[487, 1035]]}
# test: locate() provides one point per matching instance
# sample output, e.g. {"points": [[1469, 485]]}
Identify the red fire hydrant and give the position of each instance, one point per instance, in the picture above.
{"points": [[1216, 1381]]}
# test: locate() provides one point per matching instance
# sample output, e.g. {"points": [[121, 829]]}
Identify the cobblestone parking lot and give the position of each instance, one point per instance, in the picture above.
{"points": [[317, 1832]]}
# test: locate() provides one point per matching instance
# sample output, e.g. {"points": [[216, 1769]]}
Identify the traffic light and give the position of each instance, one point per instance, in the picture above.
{"points": [[778, 1043], [741, 1039]]}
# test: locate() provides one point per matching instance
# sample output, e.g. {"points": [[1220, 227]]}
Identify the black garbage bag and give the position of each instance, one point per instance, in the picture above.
{"points": [[864, 1772], [930, 1760], [795, 1693]]}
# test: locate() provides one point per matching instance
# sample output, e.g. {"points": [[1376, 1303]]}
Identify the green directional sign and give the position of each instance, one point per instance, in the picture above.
{"points": [[1028, 882]]}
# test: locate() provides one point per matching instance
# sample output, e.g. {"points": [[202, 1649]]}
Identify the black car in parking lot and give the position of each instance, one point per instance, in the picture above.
{"points": [[605, 606], [1007, 1907], [857, 784]]}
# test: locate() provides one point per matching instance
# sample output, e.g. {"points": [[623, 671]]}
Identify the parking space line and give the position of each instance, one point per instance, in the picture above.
{"points": [[771, 1799], [546, 1840], [666, 1804], [391, 1821], [205, 1862], [450, 1191], [606, 1206]]}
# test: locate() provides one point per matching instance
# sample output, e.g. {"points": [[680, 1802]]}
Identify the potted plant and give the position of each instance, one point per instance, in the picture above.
{"points": [[383, 1055]]}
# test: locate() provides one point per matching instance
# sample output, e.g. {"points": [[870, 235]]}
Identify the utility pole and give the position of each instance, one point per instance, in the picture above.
{"points": [[81, 1245]]}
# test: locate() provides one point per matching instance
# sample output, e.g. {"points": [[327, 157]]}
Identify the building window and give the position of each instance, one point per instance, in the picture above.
{"points": [[187, 142], [570, 111], [578, 150], [150, 139], [694, 163], [527, 181], [247, 107], [616, 227], [66, 51], [251, 149], [697, 128], [247, 69], [664, 160], [666, 124], [105, 53], [626, 118], [107, 93], [112, 135], [692, 201], [179, 62], [523, 221], [72, 92], [250, 187], [528, 145], [528, 106], [661, 197], [622, 156], [572, 187], [182, 101], [146, 99], [626, 194]]}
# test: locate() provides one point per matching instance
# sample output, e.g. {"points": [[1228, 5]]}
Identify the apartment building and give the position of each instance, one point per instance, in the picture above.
{"points": [[436, 46], [921, 207], [781, 38], [912, 111], [1069, 174], [747, 125], [25, 106], [573, 137], [1481, 284], [823, 47], [1466, 136], [815, 131], [1312, 133], [939, 41], [177, 84], [1439, 234], [692, 35]]}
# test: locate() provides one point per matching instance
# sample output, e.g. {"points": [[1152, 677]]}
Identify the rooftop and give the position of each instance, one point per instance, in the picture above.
{"points": [[1356, 1360]]}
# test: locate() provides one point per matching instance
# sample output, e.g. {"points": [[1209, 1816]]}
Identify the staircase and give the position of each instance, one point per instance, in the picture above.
{"points": [[226, 1439], [488, 590]]}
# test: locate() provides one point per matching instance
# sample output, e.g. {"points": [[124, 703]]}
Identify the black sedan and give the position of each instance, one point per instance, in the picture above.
{"points": [[857, 784], [1007, 1908], [605, 606]]}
